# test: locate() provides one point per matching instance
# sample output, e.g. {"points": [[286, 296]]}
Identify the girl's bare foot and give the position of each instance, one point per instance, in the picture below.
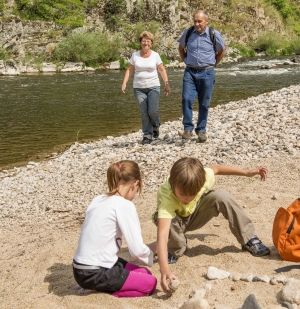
{"points": [[76, 287]]}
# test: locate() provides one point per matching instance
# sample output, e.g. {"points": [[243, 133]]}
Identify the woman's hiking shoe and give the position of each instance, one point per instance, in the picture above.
{"points": [[146, 140], [172, 259], [185, 134], [256, 247]]}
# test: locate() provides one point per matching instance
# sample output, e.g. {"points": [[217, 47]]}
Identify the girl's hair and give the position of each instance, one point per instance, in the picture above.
{"points": [[187, 175], [146, 35], [122, 172]]}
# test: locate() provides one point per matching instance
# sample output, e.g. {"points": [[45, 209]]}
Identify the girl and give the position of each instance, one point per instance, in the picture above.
{"points": [[96, 266]]}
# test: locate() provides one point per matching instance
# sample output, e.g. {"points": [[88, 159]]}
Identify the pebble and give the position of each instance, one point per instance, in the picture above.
{"points": [[195, 303], [173, 285], [290, 292], [247, 277], [215, 273]]}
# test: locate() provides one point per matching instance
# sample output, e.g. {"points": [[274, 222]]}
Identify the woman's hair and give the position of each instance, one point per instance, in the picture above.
{"points": [[188, 176], [122, 172], [146, 35]]}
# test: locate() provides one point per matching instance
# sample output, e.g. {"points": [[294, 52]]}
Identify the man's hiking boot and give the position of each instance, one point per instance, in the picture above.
{"points": [[156, 133], [146, 140], [256, 247], [185, 134], [172, 259], [201, 137]]}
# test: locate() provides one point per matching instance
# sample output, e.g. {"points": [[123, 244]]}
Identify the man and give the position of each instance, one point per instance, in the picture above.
{"points": [[200, 57]]}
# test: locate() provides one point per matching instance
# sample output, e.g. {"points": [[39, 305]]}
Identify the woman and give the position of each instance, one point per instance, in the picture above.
{"points": [[146, 86]]}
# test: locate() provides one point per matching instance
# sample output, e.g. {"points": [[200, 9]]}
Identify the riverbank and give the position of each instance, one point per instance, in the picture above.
{"points": [[42, 207]]}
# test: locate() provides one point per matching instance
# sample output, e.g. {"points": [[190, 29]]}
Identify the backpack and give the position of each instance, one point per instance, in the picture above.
{"points": [[286, 232], [211, 34]]}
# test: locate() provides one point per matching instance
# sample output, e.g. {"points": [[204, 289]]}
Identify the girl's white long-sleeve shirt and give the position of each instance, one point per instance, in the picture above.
{"points": [[106, 220]]}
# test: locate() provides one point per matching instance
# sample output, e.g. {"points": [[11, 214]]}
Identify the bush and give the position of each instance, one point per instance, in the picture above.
{"points": [[268, 42], [123, 63], [4, 53], [295, 46], [164, 59], [67, 12], [244, 51], [91, 48]]}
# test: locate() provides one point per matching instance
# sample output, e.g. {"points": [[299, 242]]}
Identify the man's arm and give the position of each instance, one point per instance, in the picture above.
{"points": [[228, 170], [181, 52], [219, 57], [162, 252]]}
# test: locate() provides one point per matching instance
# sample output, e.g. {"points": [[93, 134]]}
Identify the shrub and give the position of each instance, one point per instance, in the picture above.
{"points": [[91, 48], [295, 45], [67, 12], [164, 59], [4, 53], [268, 42], [123, 63]]}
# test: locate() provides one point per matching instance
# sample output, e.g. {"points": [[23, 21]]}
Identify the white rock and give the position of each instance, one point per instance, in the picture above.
{"points": [[247, 277], [195, 303], [215, 273], [291, 291], [198, 293]]}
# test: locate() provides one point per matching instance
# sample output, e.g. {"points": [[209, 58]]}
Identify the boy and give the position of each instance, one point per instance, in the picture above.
{"points": [[185, 202]]}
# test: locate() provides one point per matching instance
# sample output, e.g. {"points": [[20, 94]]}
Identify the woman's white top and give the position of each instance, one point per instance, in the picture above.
{"points": [[145, 73], [106, 220]]}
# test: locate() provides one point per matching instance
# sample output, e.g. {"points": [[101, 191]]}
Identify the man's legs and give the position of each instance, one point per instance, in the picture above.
{"points": [[204, 84], [189, 93]]}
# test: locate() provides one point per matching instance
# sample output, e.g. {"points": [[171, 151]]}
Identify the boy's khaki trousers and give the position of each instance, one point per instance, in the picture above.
{"points": [[210, 205]]}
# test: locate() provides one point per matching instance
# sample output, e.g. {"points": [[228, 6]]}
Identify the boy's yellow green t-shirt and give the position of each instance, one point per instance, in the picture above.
{"points": [[168, 205]]}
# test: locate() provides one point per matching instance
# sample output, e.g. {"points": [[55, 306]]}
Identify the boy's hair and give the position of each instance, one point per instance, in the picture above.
{"points": [[146, 35], [122, 172], [188, 176]]}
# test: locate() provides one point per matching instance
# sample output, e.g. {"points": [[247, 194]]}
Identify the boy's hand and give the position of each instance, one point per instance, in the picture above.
{"points": [[261, 171], [163, 281]]}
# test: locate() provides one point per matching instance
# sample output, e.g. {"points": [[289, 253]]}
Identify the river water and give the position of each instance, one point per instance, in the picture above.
{"points": [[41, 114]]}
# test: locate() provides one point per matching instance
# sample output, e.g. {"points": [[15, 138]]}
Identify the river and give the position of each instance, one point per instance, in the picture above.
{"points": [[45, 113]]}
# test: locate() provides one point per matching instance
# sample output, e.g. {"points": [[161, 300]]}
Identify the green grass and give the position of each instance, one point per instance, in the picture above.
{"points": [[92, 48]]}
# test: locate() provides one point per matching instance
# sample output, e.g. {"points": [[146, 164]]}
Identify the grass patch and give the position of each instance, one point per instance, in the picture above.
{"points": [[67, 12], [91, 48], [5, 54]]}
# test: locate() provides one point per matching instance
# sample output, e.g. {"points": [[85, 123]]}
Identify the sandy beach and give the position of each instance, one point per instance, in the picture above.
{"points": [[42, 208]]}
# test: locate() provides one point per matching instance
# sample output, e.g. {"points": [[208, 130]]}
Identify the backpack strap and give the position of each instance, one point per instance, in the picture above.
{"points": [[188, 34], [211, 34], [213, 38]]}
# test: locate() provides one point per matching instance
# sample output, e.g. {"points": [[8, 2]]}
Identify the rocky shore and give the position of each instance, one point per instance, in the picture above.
{"points": [[266, 126], [42, 207]]}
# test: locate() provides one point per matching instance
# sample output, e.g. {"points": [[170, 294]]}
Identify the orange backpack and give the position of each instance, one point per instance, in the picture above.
{"points": [[286, 232]]}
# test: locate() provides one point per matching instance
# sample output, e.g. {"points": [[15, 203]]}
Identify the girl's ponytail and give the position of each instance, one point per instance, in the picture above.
{"points": [[122, 172]]}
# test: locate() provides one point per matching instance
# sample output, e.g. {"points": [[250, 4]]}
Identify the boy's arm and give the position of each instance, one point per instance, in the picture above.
{"points": [[228, 170], [162, 252]]}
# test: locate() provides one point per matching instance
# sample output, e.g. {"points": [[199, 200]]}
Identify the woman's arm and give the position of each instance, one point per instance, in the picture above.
{"points": [[228, 170], [161, 69], [128, 73]]}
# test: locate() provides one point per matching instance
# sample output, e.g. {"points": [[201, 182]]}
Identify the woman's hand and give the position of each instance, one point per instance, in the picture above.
{"points": [[261, 171], [167, 89], [123, 88]]}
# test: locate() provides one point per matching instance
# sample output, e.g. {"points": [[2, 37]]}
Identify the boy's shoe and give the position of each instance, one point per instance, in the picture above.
{"points": [[156, 133], [185, 134], [172, 259], [146, 140], [201, 137], [256, 247]]}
